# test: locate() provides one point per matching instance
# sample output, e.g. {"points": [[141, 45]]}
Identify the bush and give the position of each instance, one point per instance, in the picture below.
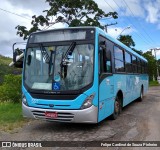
{"points": [[10, 90], [154, 83]]}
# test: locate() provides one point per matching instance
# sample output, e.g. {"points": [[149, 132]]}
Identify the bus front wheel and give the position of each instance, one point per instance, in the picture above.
{"points": [[117, 108]]}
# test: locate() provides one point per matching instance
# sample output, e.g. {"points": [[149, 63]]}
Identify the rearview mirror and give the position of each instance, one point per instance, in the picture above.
{"points": [[18, 55]]}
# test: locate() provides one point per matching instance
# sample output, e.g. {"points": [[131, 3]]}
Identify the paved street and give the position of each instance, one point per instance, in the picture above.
{"points": [[139, 121]]}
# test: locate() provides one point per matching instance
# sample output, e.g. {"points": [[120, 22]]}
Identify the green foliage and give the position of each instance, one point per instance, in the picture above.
{"points": [[11, 116], [153, 83], [137, 51], [10, 90], [151, 64], [127, 40], [5, 60], [5, 69], [72, 12]]}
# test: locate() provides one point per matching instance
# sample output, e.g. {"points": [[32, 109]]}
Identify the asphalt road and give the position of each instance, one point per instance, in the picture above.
{"points": [[139, 121]]}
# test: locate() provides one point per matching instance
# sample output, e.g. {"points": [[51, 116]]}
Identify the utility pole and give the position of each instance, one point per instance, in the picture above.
{"points": [[105, 27], [155, 49]]}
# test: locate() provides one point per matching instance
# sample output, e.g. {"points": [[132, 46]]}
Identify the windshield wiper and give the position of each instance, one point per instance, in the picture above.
{"points": [[68, 52], [45, 54]]}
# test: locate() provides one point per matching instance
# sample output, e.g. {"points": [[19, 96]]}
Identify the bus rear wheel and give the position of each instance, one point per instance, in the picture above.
{"points": [[117, 108]]}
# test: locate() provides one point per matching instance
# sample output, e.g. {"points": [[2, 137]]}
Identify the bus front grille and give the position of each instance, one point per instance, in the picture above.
{"points": [[61, 117]]}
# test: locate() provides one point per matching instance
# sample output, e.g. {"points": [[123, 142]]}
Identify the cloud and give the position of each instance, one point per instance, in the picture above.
{"points": [[153, 10], [158, 54], [7, 27], [36, 6], [123, 7], [115, 32], [144, 9]]}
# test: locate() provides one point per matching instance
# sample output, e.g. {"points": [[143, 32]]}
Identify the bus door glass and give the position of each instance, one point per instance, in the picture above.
{"points": [[106, 82]]}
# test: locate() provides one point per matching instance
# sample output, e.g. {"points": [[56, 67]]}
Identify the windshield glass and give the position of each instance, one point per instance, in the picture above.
{"points": [[49, 68]]}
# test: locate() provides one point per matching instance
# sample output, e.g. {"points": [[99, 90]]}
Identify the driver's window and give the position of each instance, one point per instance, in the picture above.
{"points": [[104, 56]]}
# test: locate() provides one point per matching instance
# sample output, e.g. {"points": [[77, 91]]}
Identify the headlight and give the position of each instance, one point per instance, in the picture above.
{"points": [[88, 102], [24, 100]]}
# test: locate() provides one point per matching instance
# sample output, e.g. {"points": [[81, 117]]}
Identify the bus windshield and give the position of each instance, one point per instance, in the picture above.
{"points": [[57, 68]]}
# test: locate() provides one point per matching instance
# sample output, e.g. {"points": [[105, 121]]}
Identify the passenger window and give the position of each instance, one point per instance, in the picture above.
{"points": [[119, 60], [118, 53], [128, 64], [119, 66], [134, 64], [139, 65]]}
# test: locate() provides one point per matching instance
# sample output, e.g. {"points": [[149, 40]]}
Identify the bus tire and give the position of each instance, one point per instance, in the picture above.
{"points": [[117, 108], [140, 99]]}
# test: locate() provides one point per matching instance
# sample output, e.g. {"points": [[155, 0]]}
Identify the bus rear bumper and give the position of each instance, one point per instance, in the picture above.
{"points": [[88, 115]]}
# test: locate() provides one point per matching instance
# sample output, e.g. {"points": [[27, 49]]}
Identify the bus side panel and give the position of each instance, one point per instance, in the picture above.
{"points": [[133, 88], [129, 90], [144, 78], [130, 85], [120, 85]]}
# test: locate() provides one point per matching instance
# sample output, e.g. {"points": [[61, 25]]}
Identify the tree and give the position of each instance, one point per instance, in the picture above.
{"points": [[10, 90], [151, 64], [72, 12], [158, 63], [127, 40], [137, 51]]}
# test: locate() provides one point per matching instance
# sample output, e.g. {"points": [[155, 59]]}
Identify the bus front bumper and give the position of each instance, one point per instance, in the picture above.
{"points": [[88, 115]]}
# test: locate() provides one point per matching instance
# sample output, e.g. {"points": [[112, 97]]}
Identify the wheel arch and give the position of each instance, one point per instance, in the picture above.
{"points": [[120, 95]]}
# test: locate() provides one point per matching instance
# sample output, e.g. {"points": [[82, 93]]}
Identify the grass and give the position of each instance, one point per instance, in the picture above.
{"points": [[5, 60], [153, 83], [11, 116]]}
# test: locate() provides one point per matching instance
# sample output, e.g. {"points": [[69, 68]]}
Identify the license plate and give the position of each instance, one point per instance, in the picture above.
{"points": [[51, 114]]}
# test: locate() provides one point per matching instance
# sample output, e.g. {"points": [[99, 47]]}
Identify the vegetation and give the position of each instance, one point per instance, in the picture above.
{"points": [[5, 69], [11, 116], [10, 90], [72, 12], [127, 40], [10, 95], [153, 83], [152, 63]]}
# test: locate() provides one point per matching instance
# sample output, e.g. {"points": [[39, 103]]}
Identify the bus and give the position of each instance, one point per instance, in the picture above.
{"points": [[79, 75]]}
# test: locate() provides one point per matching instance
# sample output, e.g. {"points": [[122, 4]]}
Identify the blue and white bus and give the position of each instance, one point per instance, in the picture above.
{"points": [[80, 75]]}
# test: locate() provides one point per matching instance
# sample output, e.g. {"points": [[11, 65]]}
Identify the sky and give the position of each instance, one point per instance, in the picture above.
{"points": [[138, 18]]}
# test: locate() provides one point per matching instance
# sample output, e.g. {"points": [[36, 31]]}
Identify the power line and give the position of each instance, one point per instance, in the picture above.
{"points": [[138, 22], [139, 35], [14, 14], [21, 16], [108, 5], [129, 21]]}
